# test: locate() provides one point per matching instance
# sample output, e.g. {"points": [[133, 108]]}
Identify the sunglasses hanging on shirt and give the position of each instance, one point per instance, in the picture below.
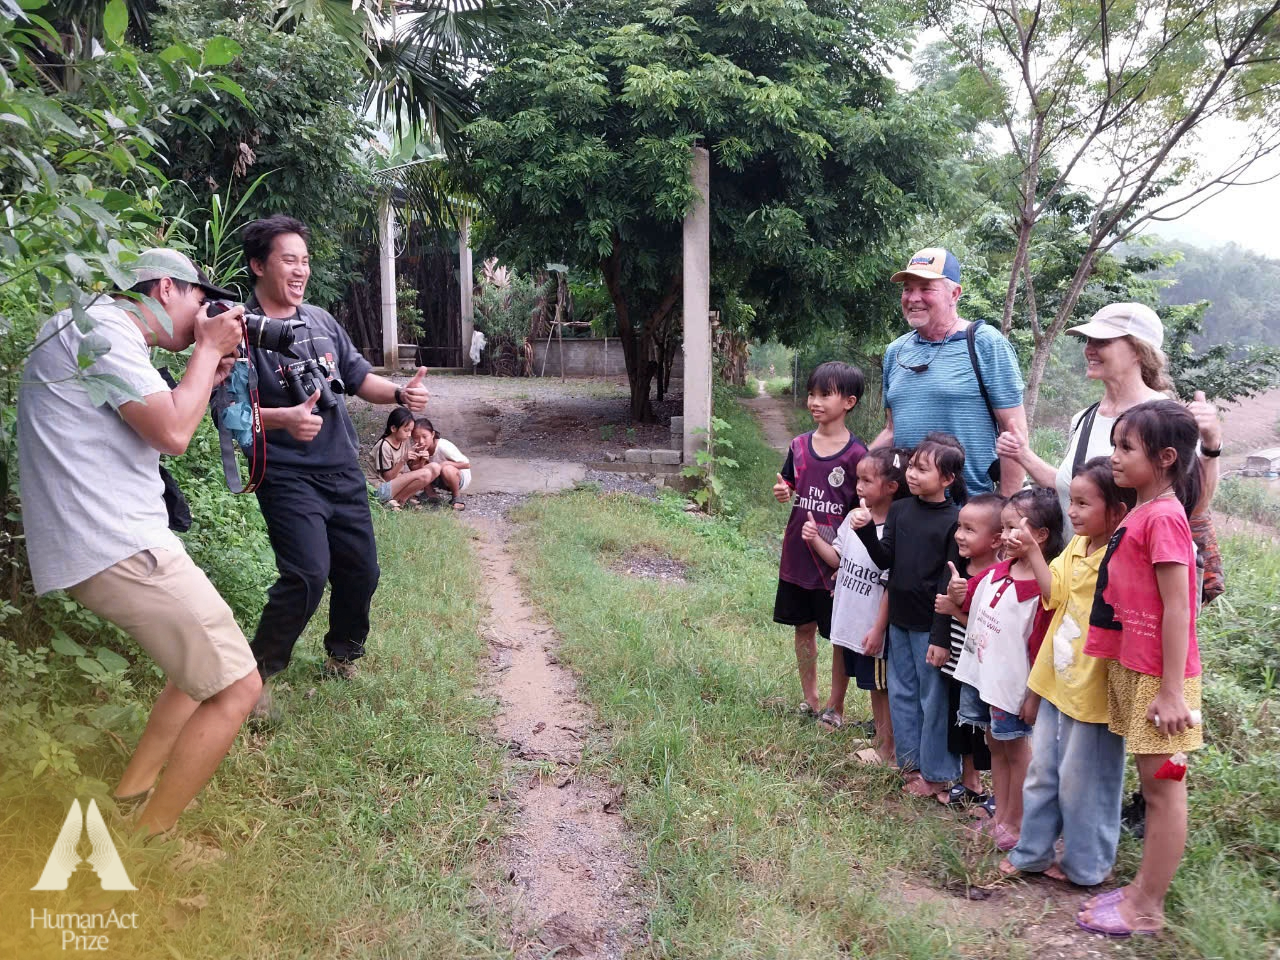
{"points": [[930, 347]]}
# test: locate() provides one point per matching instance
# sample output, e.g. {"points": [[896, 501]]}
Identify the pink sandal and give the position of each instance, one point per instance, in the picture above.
{"points": [[1108, 922]]}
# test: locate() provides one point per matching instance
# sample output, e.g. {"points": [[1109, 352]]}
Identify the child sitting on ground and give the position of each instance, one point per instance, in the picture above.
{"points": [[391, 461], [860, 609], [820, 471], [1002, 606], [451, 470], [1076, 778], [974, 548]]}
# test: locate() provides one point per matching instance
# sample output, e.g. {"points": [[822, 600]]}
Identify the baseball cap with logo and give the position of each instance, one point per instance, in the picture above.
{"points": [[159, 262], [930, 263], [1135, 320]]}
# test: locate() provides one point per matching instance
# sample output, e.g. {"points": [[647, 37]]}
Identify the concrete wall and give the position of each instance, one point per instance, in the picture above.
{"points": [[587, 358]]}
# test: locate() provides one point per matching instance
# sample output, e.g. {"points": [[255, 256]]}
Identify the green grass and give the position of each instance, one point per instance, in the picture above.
{"points": [[354, 829], [748, 494], [760, 835], [752, 823]]}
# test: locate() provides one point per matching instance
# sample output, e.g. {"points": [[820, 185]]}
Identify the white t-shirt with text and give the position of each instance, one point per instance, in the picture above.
{"points": [[859, 588]]}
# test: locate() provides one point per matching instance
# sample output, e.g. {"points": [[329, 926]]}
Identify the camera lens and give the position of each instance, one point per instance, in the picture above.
{"points": [[269, 333]]}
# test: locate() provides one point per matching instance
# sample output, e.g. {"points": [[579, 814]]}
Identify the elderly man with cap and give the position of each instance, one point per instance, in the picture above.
{"points": [[951, 375], [96, 523], [1122, 348]]}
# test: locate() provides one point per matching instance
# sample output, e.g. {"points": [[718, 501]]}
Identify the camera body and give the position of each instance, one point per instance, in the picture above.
{"points": [[265, 332], [305, 377]]}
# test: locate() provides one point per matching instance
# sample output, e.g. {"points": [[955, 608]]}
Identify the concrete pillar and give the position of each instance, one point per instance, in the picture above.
{"points": [[387, 266], [466, 281], [697, 303]]}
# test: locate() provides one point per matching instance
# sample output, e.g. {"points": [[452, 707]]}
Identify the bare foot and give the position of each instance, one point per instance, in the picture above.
{"points": [[1053, 871], [920, 787], [1106, 896]]}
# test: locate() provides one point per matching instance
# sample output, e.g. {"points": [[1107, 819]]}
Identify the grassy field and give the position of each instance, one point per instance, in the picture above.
{"points": [[354, 829], [763, 838]]}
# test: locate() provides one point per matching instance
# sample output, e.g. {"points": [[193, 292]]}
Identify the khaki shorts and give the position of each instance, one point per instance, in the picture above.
{"points": [[167, 604]]}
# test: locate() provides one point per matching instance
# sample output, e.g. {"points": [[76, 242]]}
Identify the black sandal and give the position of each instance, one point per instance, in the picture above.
{"points": [[961, 796]]}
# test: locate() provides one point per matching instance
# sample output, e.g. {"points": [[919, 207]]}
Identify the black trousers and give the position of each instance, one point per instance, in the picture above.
{"points": [[320, 530]]}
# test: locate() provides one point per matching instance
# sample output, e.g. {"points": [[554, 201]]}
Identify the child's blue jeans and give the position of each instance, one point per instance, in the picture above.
{"points": [[919, 707], [1073, 789]]}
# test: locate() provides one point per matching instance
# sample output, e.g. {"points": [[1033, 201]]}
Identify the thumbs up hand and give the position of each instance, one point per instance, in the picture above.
{"points": [[1020, 542], [782, 490], [306, 423], [861, 515], [809, 532], [957, 586], [414, 393], [1206, 415]]}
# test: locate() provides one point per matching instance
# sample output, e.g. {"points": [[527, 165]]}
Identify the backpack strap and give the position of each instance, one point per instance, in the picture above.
{"points": [[970, 336], [1084, 427]]}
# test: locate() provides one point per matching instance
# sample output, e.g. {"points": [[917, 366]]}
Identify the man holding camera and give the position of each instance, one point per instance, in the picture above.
{"points": [[98, 528], [313, 496]]}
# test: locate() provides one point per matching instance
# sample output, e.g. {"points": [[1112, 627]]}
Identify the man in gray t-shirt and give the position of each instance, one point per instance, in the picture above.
{"points": [[314, 496], [96, 524]]}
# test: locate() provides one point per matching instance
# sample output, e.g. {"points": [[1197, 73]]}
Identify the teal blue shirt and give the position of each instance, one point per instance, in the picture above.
{"points": [[946, 396]]}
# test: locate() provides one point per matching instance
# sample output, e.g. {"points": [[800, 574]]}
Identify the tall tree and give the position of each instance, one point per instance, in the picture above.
{"points": [[582, 153], [1120, 92]]}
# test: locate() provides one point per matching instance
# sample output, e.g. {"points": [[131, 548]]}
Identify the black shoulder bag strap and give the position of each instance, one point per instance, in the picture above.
{"points": [[1083, 429], [970, 335]]}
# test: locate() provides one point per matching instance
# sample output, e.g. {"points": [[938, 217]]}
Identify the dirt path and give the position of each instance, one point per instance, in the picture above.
{"points": [[570, 887], [772, 414]]}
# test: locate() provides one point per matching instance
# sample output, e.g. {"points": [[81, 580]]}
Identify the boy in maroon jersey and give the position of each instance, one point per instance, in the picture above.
{"points": [[821, 472]]}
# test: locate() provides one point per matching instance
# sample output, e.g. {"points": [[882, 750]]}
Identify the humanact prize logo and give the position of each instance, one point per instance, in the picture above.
{"points": [[64, 860]]}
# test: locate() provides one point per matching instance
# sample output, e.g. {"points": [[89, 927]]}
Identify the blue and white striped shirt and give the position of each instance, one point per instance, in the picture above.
{"points": [[946, 396]]}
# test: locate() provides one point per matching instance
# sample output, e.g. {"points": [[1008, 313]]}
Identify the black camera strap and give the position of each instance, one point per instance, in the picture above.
{"points": [[257, 456]]}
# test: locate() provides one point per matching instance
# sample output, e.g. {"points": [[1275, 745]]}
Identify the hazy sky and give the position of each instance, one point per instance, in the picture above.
{"points": [[1245, 215]]}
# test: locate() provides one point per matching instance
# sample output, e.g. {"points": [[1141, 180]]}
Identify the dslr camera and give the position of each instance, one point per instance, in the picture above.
{"points": [[265, 332], [305, 377]]}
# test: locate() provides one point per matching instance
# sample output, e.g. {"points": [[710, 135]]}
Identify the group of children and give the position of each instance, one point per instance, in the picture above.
{"points": [[986, 642], [413, 461]]}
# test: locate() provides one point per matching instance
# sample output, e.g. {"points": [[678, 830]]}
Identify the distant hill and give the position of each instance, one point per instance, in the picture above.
{"points": [[1243, 289]]}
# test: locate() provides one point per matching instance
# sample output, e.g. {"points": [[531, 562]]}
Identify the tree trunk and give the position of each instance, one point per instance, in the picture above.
{"points": [[642, 340], [1044, 345], [634, 348]]}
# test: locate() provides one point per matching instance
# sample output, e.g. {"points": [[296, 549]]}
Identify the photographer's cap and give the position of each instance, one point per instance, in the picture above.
{"points": [[1135, 320], [160, 262], [931, 263]]}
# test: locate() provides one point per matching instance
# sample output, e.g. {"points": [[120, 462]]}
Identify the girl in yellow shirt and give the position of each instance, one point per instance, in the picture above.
{"points": [[1076, 779]]}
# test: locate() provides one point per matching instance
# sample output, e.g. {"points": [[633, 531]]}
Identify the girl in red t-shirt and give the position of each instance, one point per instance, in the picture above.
{"points": [[1143, 622]]}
